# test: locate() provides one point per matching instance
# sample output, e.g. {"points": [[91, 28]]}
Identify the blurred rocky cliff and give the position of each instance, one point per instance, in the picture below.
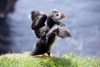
{"points": [[6, 6]]}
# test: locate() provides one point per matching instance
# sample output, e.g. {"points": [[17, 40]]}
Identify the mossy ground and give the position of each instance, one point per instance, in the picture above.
{"points": [[68, 60]]}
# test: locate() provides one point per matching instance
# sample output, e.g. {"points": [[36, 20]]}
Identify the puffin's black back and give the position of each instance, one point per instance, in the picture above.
{"points": [[40, 46]]}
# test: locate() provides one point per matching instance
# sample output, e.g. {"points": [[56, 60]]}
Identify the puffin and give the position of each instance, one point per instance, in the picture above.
{"points": [[49, 33]]}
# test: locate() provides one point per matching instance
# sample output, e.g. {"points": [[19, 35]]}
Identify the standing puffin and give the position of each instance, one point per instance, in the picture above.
{"points": [[48, 35]]}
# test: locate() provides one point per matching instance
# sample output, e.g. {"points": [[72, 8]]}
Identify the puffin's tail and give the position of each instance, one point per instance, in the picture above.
{"points": [[38, 19]]}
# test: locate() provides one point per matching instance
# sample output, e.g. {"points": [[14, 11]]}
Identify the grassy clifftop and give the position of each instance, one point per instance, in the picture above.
{"points": [[68, 60]]}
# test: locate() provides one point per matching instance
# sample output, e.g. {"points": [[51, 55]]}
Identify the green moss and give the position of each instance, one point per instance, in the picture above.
{"points": [[68, 60]]}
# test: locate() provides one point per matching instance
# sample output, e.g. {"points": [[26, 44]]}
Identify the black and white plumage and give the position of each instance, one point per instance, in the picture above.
{"points": [[48, 35]]}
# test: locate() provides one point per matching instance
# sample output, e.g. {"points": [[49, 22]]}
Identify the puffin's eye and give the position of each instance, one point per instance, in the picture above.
{"points": [[57, 14]]}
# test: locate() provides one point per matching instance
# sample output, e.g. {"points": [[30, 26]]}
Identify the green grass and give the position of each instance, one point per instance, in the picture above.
{"points": [[68, 60]]}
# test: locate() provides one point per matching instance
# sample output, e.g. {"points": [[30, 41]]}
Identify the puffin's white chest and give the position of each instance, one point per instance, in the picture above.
{"points": [[57, 39]]}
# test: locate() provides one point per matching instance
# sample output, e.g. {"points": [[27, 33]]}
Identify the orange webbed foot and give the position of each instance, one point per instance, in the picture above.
{"points": [[46, 54]]}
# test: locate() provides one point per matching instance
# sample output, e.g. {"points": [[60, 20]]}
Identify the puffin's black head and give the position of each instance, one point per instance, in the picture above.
{"points": [[56, 16]]}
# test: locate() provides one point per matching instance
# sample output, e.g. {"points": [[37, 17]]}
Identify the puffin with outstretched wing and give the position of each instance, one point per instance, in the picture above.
{"points": [[48, 35]]}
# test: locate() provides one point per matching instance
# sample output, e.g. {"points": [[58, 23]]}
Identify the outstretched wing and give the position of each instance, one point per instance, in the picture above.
{"points": [[38, 19], [60, 30], [38, 24]]}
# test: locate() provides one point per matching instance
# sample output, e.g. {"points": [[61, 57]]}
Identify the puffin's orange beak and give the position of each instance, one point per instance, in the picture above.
{"points": [[62, 16]]}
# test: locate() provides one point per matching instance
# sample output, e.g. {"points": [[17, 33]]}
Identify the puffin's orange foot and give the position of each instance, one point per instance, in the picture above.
{"points": [[45, 54]]}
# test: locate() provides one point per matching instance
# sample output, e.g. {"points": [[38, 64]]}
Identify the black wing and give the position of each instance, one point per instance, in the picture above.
{"points": [[60, 30], [38, 19], [38, 24]]}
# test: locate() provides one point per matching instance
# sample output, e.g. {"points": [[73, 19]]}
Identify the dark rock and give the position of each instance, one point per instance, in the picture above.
{"points": [[6, 6], [3, 49], [4, 40], [4, 45]]}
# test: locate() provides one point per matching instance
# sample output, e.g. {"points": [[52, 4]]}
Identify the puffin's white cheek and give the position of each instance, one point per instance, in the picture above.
{"points": [[58, 17]]}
